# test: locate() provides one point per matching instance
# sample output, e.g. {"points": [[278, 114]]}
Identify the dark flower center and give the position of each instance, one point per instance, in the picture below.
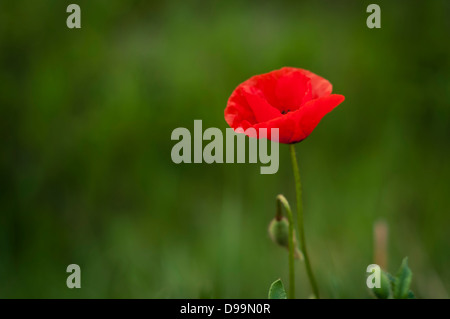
{"points": [[285, 111]]}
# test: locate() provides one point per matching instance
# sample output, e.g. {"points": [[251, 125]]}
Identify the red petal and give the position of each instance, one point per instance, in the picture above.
{"points": [[296, 126], [286, 125], [238, 110], [292, 90], [320, 87], [286, 88], [312, 112], [262, 110]]}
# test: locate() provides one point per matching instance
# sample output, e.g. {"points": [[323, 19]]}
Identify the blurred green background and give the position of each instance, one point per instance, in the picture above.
{"points": [[86, 175]]}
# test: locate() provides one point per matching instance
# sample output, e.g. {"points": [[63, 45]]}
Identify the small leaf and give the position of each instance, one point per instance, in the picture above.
{"points": [[403, 281], [384, 292], [277, 291], [391, 281]]}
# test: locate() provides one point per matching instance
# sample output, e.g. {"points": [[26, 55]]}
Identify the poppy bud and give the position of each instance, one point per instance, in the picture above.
{"points": [[279, 233]]}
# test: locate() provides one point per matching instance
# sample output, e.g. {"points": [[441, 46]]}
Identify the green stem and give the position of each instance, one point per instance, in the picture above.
{"points": [[282, 200], [301, 231]]}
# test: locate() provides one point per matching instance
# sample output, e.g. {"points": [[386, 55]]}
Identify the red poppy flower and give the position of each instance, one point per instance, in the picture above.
{"points": [[290, 99]]}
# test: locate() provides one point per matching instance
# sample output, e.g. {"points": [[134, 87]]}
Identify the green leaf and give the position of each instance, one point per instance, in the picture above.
{"points": [[277, 291], [403, 281], [384, 292], [391, 279]]}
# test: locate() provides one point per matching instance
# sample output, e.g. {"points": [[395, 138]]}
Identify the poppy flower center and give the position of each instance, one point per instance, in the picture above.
{"points": [[285, 111]]}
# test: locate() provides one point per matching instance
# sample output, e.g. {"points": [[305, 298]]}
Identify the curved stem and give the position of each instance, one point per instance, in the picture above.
{"points": [[281, 200], [301, 231]]}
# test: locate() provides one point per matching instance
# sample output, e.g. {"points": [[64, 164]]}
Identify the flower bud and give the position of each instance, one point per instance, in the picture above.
{"points": [[279, 233]]}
